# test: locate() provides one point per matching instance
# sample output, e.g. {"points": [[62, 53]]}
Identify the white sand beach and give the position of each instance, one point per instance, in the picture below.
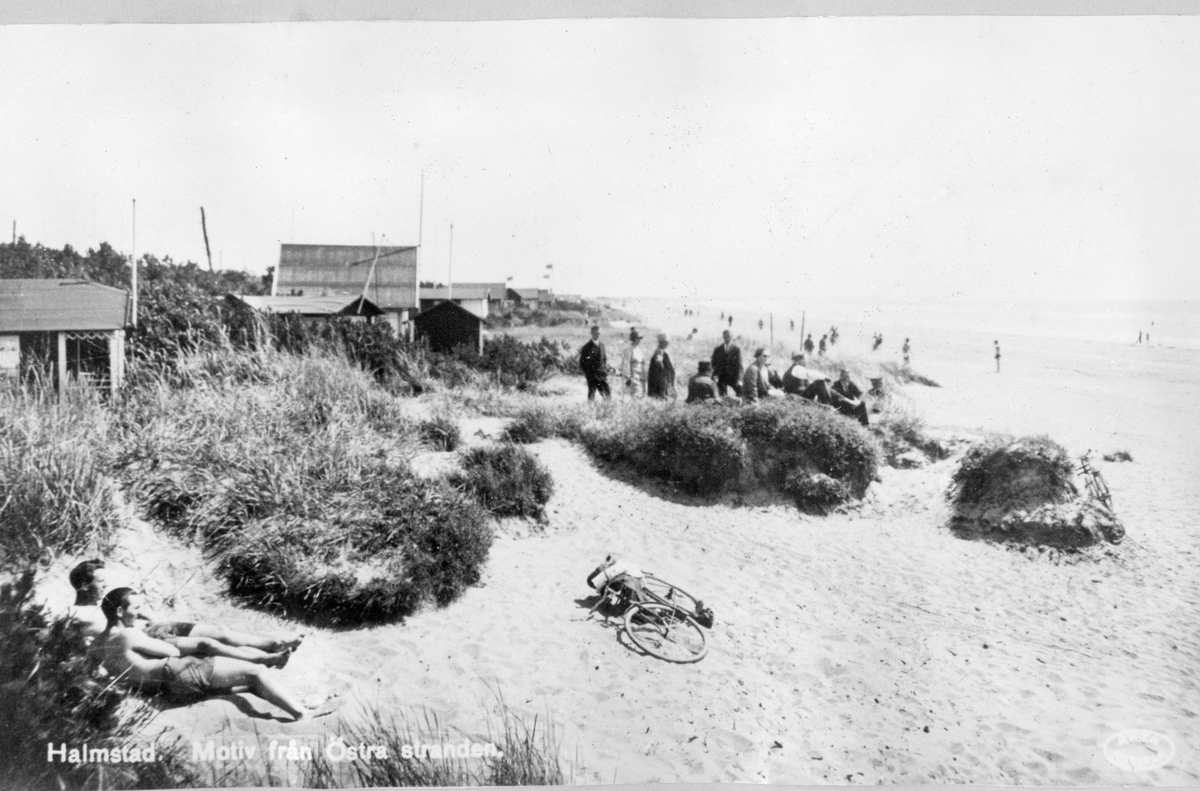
{"points": [[862, 647]]}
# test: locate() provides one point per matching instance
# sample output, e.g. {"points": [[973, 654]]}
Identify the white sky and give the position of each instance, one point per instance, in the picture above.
{"points": [[897, 158]]}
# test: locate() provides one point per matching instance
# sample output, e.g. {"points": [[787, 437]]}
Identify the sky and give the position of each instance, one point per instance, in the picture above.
{"points": [[914, 158]]}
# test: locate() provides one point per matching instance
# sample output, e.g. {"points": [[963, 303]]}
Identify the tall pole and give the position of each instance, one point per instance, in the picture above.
{"points": [[450, 285], [772, 329], [204, 230], [134, 262], [801, 329]]}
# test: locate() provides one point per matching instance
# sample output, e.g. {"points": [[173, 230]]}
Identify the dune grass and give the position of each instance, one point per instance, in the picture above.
{"points": [[298, 485], [507, 480], [55, 496]]}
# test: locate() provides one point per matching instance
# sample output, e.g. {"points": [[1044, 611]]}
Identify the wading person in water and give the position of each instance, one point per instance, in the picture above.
{"points": [[997, 344], [156, 665]]}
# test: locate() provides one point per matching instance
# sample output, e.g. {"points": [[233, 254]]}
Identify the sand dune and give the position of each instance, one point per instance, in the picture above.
{"points": [[863, 647]]}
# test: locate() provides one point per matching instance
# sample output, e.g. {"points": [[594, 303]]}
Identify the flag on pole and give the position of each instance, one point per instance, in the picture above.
{"points": [[549, 266], [510, 278]]}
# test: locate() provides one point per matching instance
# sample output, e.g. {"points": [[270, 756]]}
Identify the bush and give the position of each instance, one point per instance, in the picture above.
{"points": [[55, 496], [289, 485], [790, 434], [1023, 491], [418, 542], [537, 422], [1012, 473], [50, 692], [440, 432], [507, 480]]}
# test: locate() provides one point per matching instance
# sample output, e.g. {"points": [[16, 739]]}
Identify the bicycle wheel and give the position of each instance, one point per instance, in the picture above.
{"points": [[665, 591], [665, 632]]}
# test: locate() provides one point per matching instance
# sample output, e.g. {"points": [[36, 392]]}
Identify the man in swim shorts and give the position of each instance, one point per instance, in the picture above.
{"points": [[156, 665], [89, 580]]}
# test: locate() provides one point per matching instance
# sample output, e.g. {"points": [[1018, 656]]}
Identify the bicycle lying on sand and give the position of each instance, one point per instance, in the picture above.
{"points": [[666, 623], [1097, 489]]}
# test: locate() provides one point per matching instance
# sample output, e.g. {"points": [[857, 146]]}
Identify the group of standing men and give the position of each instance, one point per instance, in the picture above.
{"points": [[717, 377]]}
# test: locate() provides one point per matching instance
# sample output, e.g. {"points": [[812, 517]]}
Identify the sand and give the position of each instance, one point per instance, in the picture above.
{"points": [[863, 647]]}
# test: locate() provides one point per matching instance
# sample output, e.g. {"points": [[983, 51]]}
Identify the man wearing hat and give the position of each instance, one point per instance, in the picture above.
{"points": [[660, 376], [701, 387], [727, 365], [594, 362], [633, 366]]}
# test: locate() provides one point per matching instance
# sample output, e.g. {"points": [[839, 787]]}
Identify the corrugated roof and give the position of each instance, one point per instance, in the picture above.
{"points": [[312, 306], [495, 290], [461, 291], [321, 270], [48, 305]]}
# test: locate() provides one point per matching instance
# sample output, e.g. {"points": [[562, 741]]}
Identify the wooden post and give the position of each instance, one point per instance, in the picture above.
{"points": [[801, 329], [62, 361], [204, 230]]}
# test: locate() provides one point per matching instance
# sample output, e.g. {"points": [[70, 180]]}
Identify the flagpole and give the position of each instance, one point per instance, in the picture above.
{"points": [[133, 255], [450, 285]]}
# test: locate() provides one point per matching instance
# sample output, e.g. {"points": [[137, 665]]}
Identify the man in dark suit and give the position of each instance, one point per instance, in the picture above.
{"points": [[594, 362], [727, 365]]}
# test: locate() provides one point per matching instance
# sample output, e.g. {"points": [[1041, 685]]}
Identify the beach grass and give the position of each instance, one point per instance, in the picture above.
{"points": [[298, 485], [55, 495], [507, 480]]}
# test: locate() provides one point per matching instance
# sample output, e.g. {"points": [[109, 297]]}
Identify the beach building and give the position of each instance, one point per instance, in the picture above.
{"points": [[498, 300], [325, 270], [475, 298], [64, 329], [526, 297], [312, 309], [447, 325]]}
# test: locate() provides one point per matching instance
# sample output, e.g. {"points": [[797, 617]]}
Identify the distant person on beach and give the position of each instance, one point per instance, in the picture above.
{"points": [[89, 580], [727, 365], [158, 666], [660, 376], [906, 349], [833, 336], [822, 345], [997, 345], [760, 324], [701, 386], [1139, 337], [791, 324], [757, 381], [847, 397], [809, 346], [878, 341], [633, 366], [593, 359], [730, 319]]}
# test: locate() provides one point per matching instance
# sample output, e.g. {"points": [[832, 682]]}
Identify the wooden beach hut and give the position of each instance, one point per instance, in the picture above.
{"points": [[447, 325], [64, 329], [474, 298]]}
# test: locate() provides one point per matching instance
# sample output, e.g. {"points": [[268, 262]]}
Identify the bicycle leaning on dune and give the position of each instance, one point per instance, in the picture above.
{"points": [[661, 619]]}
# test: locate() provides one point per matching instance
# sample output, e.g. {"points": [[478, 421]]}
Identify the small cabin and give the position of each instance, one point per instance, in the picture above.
{"points": [[473, 298], [447, 325], [64, 330], [312, 308]]}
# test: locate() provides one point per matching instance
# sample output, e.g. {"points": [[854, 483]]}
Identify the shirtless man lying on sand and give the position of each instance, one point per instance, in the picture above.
{"points": [[128, 652], [89, 581]]}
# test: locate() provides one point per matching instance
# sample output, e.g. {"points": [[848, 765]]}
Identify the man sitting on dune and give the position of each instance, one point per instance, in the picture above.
{"points": [[130, 654], [88, 579]]}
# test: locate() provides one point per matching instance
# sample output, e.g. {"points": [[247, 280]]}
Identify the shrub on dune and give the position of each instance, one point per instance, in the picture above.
{"points": [[507, 480], [294, 487], [537, 422], [1023, 490], [440, 432]]}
